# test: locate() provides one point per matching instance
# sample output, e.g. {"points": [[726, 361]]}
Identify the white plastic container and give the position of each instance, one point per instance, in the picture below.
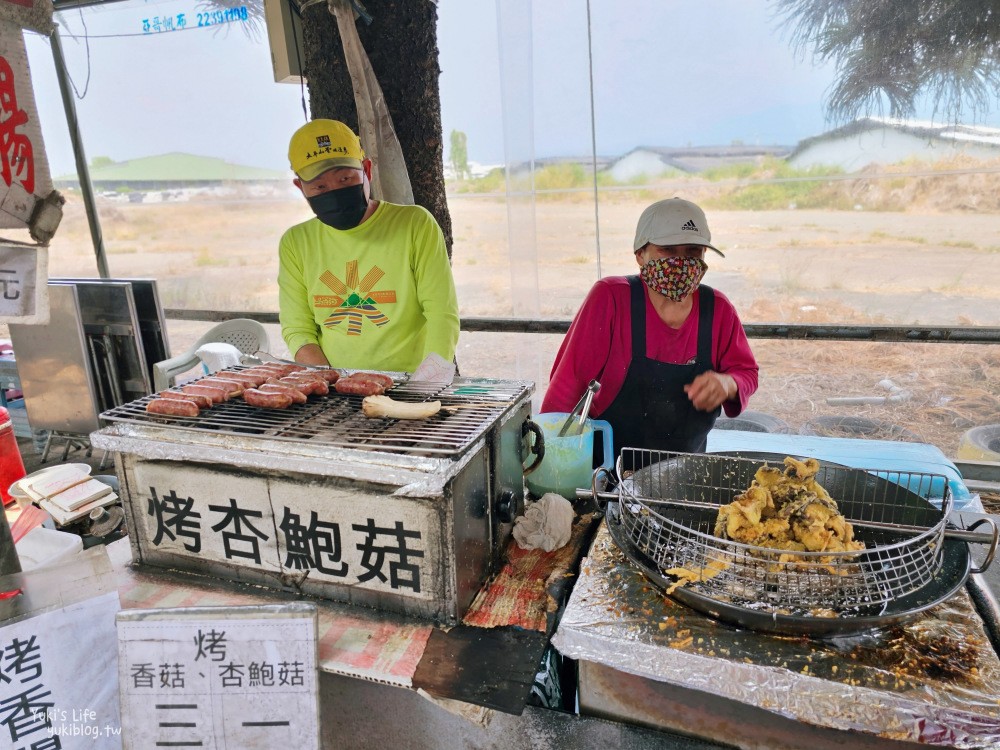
{"points": [[41, 548]]}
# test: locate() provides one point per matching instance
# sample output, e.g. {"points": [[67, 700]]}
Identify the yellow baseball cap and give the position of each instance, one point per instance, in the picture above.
{"points": [[320, 145]]}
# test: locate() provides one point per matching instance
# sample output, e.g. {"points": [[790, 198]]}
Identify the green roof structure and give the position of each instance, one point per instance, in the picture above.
{"points": [[177, 168]]}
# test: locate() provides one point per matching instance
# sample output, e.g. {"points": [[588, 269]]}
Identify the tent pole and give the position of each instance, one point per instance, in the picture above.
{"points": [[82, 171]]}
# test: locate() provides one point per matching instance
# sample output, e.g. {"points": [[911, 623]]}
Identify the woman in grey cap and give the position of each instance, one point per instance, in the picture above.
{"points": [[669, 352]]}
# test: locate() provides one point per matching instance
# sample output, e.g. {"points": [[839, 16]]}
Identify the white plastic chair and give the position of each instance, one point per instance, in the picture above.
{"points": [[247, 335]]}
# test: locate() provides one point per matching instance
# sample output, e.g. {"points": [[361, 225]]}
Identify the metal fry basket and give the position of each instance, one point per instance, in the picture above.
{"points": [[666, 514]]}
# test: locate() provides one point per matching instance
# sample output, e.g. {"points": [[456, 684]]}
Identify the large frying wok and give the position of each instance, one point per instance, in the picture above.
{"points": [[917, 570]]}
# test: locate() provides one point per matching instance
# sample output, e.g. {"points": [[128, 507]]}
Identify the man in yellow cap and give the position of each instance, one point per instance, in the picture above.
{"points": [[366, 284]]}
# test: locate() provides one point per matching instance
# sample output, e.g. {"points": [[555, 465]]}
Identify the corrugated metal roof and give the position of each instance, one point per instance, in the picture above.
{"points": [[968, 134], [694, 159]]}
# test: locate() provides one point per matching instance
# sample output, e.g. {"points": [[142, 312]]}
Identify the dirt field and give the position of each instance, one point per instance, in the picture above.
{"points": [[923, 266]]}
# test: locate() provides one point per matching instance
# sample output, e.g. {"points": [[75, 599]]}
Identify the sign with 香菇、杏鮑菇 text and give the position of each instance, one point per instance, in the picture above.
{"points": [[230, 678]]}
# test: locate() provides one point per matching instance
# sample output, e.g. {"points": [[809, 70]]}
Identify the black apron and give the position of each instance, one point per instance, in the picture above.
{"points": [[651, 410]]}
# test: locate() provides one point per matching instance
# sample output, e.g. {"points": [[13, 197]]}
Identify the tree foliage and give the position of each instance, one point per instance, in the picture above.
{"points": [[401, 43], [891, 53]]}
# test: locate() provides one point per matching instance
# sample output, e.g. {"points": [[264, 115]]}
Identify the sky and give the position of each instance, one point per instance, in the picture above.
{"points": [[515, 77]]}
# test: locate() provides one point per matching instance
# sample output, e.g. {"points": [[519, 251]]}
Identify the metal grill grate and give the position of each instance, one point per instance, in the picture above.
{"points": [[336, 419], [667, 512]]}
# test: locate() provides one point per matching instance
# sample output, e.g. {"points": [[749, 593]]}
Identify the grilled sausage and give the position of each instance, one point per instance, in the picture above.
{"points": [[232, 387], [305, 375], [330, 376], [264, 400], [249, 377], [276, 371], [320, 386], [172, 407], [262, 370], [308, 386], [204, 402], [218, 395], [384, 380], [358, 387], [283, 367], [298, 397]]}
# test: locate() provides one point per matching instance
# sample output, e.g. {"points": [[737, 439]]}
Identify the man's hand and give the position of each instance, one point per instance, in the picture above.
{"points": [[710, 389], [311, 354]]}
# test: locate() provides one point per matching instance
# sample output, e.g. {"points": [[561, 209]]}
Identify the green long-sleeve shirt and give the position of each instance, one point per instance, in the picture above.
{"points": [[379, 296]]}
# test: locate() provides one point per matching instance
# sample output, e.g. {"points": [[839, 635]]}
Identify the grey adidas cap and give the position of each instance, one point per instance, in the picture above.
{"points": [[673, 221]]}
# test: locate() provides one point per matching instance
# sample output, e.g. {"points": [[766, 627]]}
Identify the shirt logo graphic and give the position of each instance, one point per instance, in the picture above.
{"points": [[353, 300]]}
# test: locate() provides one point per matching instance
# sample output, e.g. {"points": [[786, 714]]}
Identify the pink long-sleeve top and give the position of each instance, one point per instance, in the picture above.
{"points": [[598, 346]]}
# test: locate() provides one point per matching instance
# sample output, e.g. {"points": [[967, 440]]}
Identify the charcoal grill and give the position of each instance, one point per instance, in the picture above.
{"points": [[664, 520], [404, 515], [336, 420]]}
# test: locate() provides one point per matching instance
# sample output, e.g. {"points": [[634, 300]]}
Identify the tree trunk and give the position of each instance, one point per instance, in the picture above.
{"points": [[401, 43]]}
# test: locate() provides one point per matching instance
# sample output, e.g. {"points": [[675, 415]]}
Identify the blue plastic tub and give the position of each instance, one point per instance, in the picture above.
{"points": [[893, 457]]}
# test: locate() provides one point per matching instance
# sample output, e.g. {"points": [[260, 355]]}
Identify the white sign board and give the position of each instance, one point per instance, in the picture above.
{"points": [[24, 169], [228, 678], [58, 682], [385, 543], [23, 284]]}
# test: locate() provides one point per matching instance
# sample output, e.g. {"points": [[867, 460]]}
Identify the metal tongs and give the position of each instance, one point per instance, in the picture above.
{"points": [[582, 407]]}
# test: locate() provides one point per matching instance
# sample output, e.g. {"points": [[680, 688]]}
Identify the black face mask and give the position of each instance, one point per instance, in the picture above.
{"points": [[340, 209]]}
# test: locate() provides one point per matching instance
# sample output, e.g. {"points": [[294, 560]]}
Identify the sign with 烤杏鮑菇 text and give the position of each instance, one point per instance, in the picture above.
{"points": [[392, 545], [229, 678], [58, 682], [23, 284]]}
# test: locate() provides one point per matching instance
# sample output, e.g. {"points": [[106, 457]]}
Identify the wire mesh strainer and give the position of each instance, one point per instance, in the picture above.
{"points": [[667, 512]]}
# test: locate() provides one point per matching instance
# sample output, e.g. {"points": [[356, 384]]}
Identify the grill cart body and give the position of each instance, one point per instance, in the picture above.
{"points": [[404, 516]]}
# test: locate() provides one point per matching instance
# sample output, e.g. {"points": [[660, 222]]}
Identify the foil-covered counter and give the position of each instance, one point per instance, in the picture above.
{"points": [[934, 680]]}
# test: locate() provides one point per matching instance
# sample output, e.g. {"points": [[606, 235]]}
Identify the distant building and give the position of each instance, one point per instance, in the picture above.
{"points": [[586, 163], [173, 172], [875, 140], [476, 169], [655, 161]]}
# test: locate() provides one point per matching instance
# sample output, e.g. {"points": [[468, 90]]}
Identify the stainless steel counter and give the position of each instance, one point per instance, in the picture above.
{"points": [[643, 657]]}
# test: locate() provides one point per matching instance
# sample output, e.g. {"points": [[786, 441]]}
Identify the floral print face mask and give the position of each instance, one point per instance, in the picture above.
{"points": [[674, 278]]}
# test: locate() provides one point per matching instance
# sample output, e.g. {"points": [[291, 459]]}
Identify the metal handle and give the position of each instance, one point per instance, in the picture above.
{"points": [[507, 507], [538, 447], [992, 542], [968, 535], [596, 495]]}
